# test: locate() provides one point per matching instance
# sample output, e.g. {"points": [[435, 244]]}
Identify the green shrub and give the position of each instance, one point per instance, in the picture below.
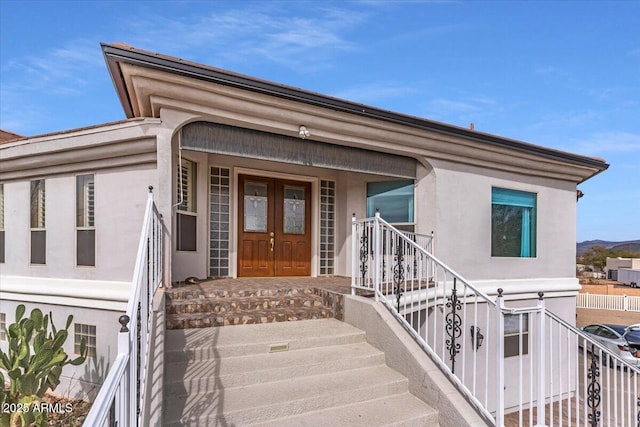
{"points": [[33, 364]]}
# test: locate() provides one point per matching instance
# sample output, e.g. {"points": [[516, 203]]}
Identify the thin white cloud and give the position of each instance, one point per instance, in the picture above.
{"points": [[239, 35], [609, 142], [62, 70], [377, 92], [565, 120], [462, 110], [30, 80]]}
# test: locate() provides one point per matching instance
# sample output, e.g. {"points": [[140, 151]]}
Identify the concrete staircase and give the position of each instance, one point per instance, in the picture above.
{"points": [[199, 308], [306, 373]]}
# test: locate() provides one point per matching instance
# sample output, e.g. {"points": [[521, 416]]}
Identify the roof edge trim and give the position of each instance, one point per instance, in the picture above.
{"points": [[116, 53]]}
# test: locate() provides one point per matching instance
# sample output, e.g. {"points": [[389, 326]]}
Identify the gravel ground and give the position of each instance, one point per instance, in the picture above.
{"points": [[588, 316]]}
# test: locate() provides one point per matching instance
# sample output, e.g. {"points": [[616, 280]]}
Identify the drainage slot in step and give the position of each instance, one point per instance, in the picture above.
{"points": [[278, 347]]}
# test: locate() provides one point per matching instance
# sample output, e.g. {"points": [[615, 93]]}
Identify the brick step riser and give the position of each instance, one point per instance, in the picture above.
{"points": [[227, 306], [176, 294], [247, 318]]}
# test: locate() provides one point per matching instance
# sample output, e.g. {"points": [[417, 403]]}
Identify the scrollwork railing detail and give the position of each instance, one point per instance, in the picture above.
{"points": [[453, 328], [593, 389], [364, 252]]}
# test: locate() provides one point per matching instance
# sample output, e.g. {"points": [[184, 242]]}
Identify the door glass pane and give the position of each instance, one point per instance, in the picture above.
{"points": [[294, 210], [255, 206]]}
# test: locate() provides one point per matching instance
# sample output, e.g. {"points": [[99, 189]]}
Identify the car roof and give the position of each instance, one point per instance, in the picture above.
{"points": [[618, 328]]}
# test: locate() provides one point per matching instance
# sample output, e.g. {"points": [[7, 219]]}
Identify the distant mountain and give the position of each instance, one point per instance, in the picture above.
{"points": [[629, 245]]}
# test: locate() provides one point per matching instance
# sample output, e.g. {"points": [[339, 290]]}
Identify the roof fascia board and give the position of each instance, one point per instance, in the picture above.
{"points": [[114, 54]]}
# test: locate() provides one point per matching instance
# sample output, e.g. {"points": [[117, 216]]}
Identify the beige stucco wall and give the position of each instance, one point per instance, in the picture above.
{"points": [[78, 381], [120, 200], [453, 200], [483, 363], [350, 198], [463, 223]]}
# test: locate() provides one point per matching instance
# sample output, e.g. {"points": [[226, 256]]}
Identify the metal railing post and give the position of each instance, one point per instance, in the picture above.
{"points": [[124, 346], [354, 249], [500, 359], [541, 360], [377, 254]]}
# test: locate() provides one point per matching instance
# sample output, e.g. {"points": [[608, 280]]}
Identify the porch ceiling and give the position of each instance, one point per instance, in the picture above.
{"points": [[248, 143]]}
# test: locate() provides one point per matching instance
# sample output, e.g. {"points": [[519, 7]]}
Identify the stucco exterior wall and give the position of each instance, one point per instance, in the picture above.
{"points": [[463, 232], [120, 200], [82, 381], [517, 368], [351, 191]]}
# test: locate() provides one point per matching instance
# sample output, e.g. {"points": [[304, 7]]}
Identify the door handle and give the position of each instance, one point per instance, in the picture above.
{"points": [[271, 241]]}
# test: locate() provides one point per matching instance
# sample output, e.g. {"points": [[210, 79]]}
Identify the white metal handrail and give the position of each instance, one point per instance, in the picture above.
{"points": [[496, 355], [120, 399]]}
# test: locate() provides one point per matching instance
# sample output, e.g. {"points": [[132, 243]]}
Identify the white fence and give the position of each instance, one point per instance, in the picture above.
{"points": [[608, 302], [120, 399], [485, 347]]}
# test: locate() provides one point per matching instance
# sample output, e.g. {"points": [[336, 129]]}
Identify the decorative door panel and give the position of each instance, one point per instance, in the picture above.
{"points": [[274, 227]]}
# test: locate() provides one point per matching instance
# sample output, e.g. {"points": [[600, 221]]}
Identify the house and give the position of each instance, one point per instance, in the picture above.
{"points": [[614, 265], [255, 178]]}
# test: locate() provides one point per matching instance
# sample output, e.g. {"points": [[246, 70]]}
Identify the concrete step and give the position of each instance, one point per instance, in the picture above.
{"points": [[188, 377], [211, 343], [322, 373], [404, 410], [277, 399]]}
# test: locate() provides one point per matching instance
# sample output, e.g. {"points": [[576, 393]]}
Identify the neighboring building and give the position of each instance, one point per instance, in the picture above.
{"points": [[614, 264], [255, 178]]}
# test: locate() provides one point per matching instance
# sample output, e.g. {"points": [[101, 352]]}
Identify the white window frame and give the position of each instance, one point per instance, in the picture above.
{"points": [[90, 334], [3, 326], [90, 217]]}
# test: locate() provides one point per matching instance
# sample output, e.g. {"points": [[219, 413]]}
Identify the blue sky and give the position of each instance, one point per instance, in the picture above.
{"points": [[563, 74]]}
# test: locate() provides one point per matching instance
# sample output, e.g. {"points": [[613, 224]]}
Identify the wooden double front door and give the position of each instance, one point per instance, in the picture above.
{"points": [[274, 227]]}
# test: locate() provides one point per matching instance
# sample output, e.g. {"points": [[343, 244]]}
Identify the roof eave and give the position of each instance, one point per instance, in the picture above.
{"points": [[116, 53]]}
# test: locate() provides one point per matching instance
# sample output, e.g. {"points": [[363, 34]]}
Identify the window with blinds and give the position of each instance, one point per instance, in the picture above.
{"points": [[38, 233], [186, 218], [85, 221], [186, 186]]}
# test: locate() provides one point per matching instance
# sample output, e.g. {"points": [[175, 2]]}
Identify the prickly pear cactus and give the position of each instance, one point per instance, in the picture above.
{"points": [[33, 364]]}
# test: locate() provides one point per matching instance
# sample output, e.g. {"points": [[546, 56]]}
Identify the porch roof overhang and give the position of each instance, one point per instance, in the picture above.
{"points": [[147, 82]]}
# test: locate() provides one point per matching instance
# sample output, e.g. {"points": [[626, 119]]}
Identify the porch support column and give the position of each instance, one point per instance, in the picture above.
{"points": [[163, 195]]}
